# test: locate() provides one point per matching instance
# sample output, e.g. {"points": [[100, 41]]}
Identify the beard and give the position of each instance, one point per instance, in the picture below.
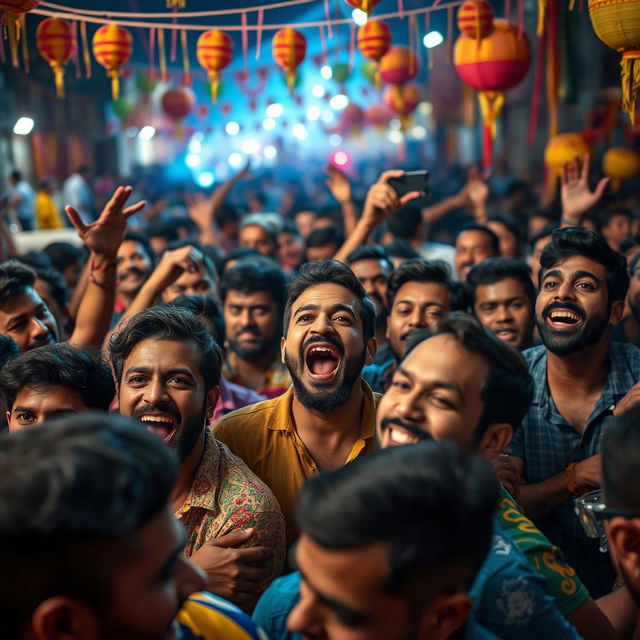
{"points": [[565, 343], [251, 351]]}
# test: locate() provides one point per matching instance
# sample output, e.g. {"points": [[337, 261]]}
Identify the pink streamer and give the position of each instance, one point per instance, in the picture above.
{"points": [[352, 46], [401, 8], [327, 14], [537, 89], [507, 9], [259, 33], [174, 38], [152, 53], [449, 32], [427, 22], [323, 45], [520, 18], [76, 53], [245, 39]]}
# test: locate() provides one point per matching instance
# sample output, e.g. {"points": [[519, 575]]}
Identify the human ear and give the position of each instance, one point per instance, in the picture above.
{"points": [[495, 440], [212, 400], [624, 542], [283, 344], [62, 618], [444, 616], [617, 309], [371, 347]]}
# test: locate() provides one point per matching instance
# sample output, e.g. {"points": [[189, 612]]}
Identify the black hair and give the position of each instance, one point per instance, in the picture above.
{"points": [[240, 253], [400, 248], [630, 242], [418, 270], [15, 279], [547, 230], [63, 255], [325, 236], [493, 238], [143, 241], [621, 459], [334, 272], [205, 307], [8, 350], [508, 390], [370, 252], [573, 241], [81, 371], [461, 300], [610, 212], [290, 227], [226, 213], [16, 175], [405, 222], [167, 323], [57, 285], [495, 270], [509, 223], [37, 260], [72, 493], [252, 276], [167, 229], [430, 504]]}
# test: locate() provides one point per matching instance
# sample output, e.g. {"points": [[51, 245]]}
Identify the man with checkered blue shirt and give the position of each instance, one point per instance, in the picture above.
{"points": [[580, 380]]}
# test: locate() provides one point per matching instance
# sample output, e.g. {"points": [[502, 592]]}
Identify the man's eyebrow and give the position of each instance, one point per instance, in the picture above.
{"points": [[586, 274], [138, 369], [436, 383], [22, 316], [554, 273], [306, 307], [340, 306], [179, 370], [23, 409]]}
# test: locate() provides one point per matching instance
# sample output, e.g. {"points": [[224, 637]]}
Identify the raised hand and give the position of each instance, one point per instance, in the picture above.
{"points": [[576, 196], [173, 264], [338, 184], [477, 192], [104, 236], [200, 209], [382, 201]]}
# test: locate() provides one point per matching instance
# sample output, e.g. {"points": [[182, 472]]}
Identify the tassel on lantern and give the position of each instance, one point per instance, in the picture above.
{"points": [[630, 77], [176, 4], [491, 104]]}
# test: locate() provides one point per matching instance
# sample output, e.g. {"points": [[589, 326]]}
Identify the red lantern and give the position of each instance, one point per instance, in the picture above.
{"points": [[178, 103], [214, 51], [374, 40], [363, 5], [475, 19], [398, 65], [491, 65], [378, 116], [56, 44], [352, 118], [289, 49], [12, 10], [402, 101], [112, 48], [16, 7]]}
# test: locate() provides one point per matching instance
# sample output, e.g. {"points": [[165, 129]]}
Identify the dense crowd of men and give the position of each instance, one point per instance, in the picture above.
{"points": [[327, 423]]}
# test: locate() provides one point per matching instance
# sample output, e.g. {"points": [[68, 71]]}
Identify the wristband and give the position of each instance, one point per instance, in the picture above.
{"points": [[102, 267], [572, 223], [572, 487], [103, 285]]}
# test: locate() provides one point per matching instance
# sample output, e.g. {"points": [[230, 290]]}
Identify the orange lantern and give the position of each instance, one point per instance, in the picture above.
{"points": [[378, 116], [12, 10], [563, 148], [374, 40], [363, 5], [620, 164], [398, 65], [289, 49], [214, 51], [490, 66], [616, 23], [475, 19], [56, 44], [178, 103], [402, 101], [112, 48]]}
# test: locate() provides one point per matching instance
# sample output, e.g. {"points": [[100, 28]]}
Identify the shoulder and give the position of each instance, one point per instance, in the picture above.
{"points": [[623, 352], [535, 355], [248, 417]]}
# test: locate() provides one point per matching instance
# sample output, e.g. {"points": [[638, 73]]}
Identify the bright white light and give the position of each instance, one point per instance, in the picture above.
{"points": [[395, 124], [339, 102], [432, 39], [192, 160], [270, 152], [335, 140], [299, 131], [250, 146], [396, 137], [275, 110], [147, 132], [317, 91], [340, 158], [235, 160], [359, 17], [131, 132], [195, 146], [205, 179], [313, 113], [232, 128], [328, 117], [326, 72], [419, 132], [425, 108], [24, 126], [269, 124], [198, 136]]}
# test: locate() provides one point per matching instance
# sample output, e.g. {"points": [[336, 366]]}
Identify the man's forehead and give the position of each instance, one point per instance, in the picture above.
{"points": [[417, 289], [325, 294], [234, 296], [573, 264], [369, 266], [24, 302], [505, 288], [163, 354], [473, 237]]}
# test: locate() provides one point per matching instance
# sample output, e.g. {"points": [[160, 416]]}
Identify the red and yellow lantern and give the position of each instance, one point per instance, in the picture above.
{"points": [[475, 19], [289, 49], [363, 5], [378, 116], [56, 44], [617, 24], [492, 65], [12, 10], [402, 101], [398, 66], [620, 164], [374, 40], [112, 48], [563, 148], [215, 52], [178, 103]]}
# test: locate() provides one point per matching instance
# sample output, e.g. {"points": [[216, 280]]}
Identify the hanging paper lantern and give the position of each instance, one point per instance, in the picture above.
{"points": [[564, 148], [398, 65], [378, 116], [617, 24], [363, 5], [620, 164], [123, 108], [370, 71], [145, 84], [214, 51], [374, 40], [289, 49], [340, 72], [352, 118], [178, 103], [490, 66], [56, 44], [112, 48], [475, 19], [11, 10], [176, 4], [402, 102]]}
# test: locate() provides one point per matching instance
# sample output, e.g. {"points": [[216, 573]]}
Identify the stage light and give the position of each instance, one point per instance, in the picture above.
{"points": [[235, 160], [275, 110], [341, 158], [250, 146], [192, 160], [326, 72], [396, 137], [299, 131], [339, 102], [232, 128], [335, 140], [317, 91], [205, 179], [23, 126], [269, 124], [270, 152], [359, 17], [313, 113], [132, 132], [419, 132], [328, 117], [425, 108], [432, 39], [147, 132]]}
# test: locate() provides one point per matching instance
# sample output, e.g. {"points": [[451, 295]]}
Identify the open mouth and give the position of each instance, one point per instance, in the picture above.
{"points": [[322, 360], [563, 319], [508, 335], [162, 424], [398, 436]]}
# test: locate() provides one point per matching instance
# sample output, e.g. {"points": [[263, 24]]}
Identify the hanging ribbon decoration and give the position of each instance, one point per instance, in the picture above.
{"points": [[76, 54], [152, 54], [186, 65], [85, 50], [25, 46], [259, 33], [162, 55]]}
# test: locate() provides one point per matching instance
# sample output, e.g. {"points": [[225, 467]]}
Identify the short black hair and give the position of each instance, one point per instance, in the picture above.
{"points": [[37, 260], [226, 213], [206, 307], [57, 285], [8, 350], [400, 248], [167, 323], [331, 271], [621, 459], [547, 230], [63, 255], [508, 389], [607, 214], [418, 270], [72, 493], [493, 238], [290, 228], [370, 252], [15, 279], [252, 276], [405, 222], [431, 504], [630, 242], [509, 223], [324, 236], [240, 253], [143, 241], [160, 228], [81, 371], [16, 175], [495, 270], [573, 241]]}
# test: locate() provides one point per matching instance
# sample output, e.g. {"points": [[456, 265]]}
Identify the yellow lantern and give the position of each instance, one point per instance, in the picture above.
{"points": [[620, 164]]}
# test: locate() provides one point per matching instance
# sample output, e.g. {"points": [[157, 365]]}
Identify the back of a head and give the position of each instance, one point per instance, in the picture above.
{"points": [[63, 254], [37, 260], [432, 504], [251, 276], [81, 371], [57, 285], [8, 350], [400, 248], [405, 222], [573, 241], [324, 236], [495, 270], [370, 252], [71, 490], [418, 270], [206, 308], [15, 279]]}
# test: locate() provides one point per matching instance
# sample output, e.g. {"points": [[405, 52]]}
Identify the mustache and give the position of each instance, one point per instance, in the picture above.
{"points": [[563, 305], [49, 338], [133, 271], [252, 329], [330, 339], [411, 427], [157, 408]]}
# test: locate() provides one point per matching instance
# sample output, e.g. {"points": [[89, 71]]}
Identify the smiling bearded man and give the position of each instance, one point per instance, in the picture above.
{"points": [[326, 419]]}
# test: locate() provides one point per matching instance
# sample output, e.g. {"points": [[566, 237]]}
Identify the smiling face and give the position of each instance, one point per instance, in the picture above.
{"points": [[472, 247], [27, 320], [162, 386], [133, 265], [504, 309], [324, 348], [374, 278], [572, 309]]}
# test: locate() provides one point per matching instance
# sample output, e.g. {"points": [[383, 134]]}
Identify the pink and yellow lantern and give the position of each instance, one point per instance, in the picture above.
{"points": [[215, 52], [289, 49]]}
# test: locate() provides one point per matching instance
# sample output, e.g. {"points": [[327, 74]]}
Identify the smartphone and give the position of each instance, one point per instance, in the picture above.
{"points": [[411, 181]]}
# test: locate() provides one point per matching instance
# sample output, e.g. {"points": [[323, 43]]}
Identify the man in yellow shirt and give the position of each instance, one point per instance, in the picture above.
{"points": [[326, 419], [47, 213]]}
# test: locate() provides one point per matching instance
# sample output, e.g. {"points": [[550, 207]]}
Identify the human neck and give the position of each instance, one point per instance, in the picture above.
{"points": [[187, 473], [381, 336]]}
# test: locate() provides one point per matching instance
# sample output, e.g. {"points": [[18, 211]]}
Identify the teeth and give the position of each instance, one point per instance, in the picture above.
{"points": [[321, 349], [156, 419], [564, 314], [402, 437]]}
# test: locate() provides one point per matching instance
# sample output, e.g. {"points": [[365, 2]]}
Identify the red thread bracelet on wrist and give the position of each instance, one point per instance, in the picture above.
{"points": [[103, 285], [102, 267]]}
